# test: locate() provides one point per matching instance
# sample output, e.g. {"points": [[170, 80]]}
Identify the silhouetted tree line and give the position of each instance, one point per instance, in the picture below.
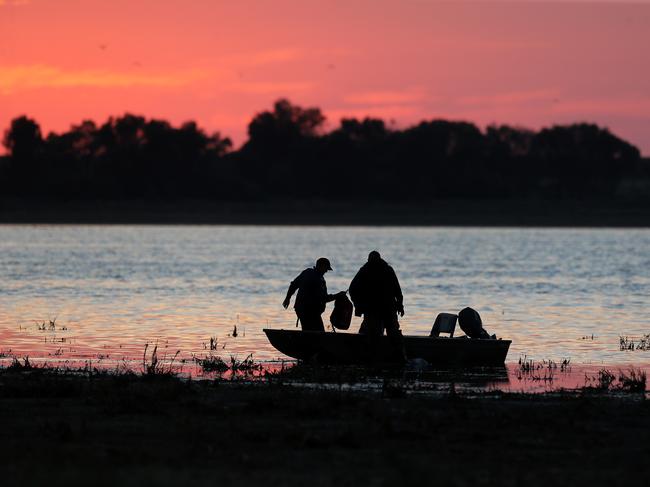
{"points": [[289, 155]]}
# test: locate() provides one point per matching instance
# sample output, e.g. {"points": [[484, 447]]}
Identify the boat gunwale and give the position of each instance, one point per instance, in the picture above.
{"points": [[462, 339]]}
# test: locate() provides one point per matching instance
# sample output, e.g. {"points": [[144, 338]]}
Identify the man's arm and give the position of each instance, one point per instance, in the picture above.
{"points": [[332, 297], [295, 284], [399, 298], [355, 289]]}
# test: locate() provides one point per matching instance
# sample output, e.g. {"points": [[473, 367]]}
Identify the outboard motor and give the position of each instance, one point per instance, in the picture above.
{"points": [[470, 322]]}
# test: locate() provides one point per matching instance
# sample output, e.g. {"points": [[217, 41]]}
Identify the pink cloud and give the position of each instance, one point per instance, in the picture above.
{"points": [[20, 78]]}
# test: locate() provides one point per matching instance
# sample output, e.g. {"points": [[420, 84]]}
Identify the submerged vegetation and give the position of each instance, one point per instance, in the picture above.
{"points": [[415, 377], [214, 363], [153, 365], [629, 343], [543, 371], [49, 326], [632, 380]]}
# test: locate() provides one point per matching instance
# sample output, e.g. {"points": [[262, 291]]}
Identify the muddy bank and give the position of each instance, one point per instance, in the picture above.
{"points": [[60, 429]]}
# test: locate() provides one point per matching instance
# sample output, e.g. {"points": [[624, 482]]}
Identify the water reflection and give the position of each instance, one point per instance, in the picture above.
{"points": [[114, 289], [415, 378], [544, 377]]}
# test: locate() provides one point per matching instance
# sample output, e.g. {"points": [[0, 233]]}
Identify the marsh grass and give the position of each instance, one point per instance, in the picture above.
{"points": [[543, 371], [212, 363], [88, 369], [632, 380], [246, 365], [602, 381], [17, 366], [605, 379], [629, 343], [49, 326], [153, 365]]}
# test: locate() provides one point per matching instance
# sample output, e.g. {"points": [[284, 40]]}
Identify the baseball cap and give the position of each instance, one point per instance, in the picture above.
{"points": [[325, 262]]}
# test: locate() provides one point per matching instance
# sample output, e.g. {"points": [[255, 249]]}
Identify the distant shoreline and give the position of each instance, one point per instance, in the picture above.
{"points": [[490, 213]]}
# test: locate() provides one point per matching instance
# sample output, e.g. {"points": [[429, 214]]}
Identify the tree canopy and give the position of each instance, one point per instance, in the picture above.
{"points": [[289, 155]]}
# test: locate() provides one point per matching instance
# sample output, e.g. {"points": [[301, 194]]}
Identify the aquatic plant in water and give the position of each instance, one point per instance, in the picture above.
{"points": [[16, 365], [156, 366], [543, 371], [627, 343], [212, 363], [634, 380], [246, 365], [49, 326]]}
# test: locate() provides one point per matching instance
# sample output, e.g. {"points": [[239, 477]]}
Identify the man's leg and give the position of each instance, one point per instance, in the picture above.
{"points": [[395, 337], [371, 324], [390, 324], [311, 322]]}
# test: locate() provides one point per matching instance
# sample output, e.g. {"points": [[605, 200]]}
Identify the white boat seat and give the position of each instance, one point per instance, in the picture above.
{"points": [[445, 323]]}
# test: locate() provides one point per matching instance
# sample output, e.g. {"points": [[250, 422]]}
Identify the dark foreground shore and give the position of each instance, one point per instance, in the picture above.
{"points": [[61, 429], [564, 213]]}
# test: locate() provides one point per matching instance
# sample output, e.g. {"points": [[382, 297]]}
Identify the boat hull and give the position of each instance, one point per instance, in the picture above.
{"points": [[351, 348]]}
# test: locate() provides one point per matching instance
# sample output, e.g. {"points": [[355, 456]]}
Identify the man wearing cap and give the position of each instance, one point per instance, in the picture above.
{"points": [[312, 295]]}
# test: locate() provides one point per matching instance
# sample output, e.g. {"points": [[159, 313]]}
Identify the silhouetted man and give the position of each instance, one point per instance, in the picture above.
{"points": [[312, 295], [376, 294]]}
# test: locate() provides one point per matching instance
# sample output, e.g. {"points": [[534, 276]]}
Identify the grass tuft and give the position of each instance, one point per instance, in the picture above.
{"points": [[154, 366], [212, 363], [632, 381], [17, 366], [628, 343]]}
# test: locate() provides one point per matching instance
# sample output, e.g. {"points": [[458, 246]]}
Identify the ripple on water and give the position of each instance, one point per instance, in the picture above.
{"points": [[116, 288]]}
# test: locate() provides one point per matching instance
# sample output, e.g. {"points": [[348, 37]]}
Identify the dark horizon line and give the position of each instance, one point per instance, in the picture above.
{"points": [[446, 212]]}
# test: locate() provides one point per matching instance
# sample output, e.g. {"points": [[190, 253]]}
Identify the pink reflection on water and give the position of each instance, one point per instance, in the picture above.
{"points": [[58, 350], [102, 337]]}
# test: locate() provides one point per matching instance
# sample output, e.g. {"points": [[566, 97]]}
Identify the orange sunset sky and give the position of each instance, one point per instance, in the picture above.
{"points": [[220, 62]]}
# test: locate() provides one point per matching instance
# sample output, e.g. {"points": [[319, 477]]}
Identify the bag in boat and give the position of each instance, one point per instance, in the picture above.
{"points": [[341, 316], [470, 322]]}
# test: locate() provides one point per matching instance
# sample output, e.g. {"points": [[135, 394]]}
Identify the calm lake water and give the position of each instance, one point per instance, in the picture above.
{"points": [[113, 289]]}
